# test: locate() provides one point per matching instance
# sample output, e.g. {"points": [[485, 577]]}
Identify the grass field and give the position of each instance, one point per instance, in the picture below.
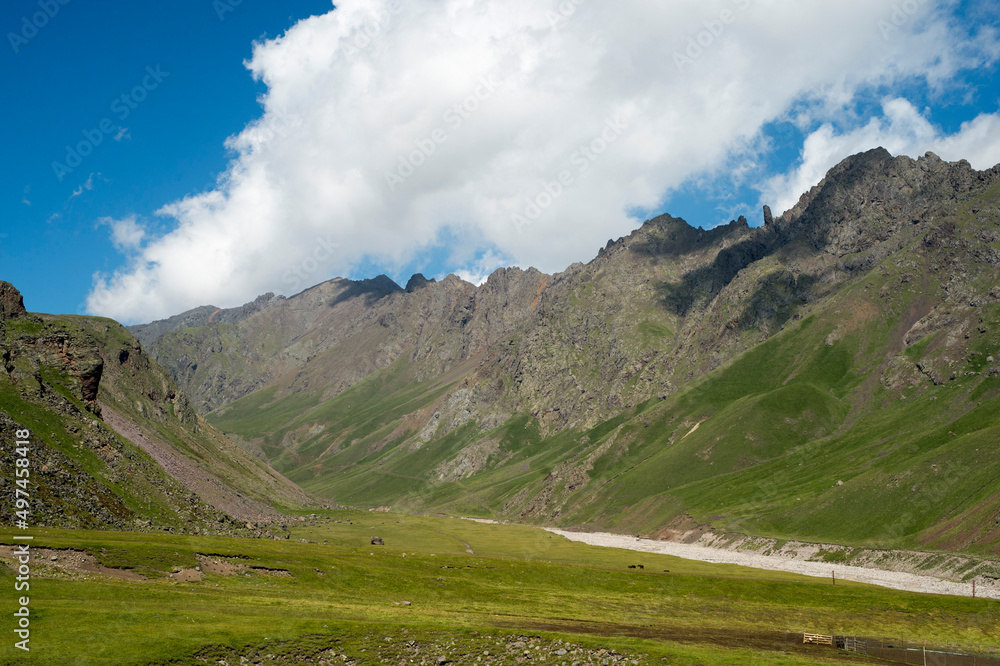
{"points": [[472, 588]]}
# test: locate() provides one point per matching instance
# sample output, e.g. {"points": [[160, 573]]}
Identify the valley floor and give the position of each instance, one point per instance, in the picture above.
{"points": [[788, 560], [366, 588]]}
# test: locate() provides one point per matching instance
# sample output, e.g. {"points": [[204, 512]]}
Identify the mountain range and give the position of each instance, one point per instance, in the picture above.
{"points": [[828, 375]]}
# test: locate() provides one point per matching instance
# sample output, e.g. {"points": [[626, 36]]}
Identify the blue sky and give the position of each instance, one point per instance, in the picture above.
{"points": [[64, 81], [440, 136]]}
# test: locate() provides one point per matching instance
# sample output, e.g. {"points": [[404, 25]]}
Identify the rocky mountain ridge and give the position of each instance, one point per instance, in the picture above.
{"points": [[592, 395], [840, 228]]}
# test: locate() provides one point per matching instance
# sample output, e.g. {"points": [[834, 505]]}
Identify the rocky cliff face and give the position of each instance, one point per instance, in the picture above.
{"points": [[55, 349], [11, 302]]}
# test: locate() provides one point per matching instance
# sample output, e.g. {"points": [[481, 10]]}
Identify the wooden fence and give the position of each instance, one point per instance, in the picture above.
{"points": [[817, 639]]}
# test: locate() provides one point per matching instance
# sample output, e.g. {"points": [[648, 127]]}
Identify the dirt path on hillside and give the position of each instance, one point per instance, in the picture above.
{"points": [[898, 580]]}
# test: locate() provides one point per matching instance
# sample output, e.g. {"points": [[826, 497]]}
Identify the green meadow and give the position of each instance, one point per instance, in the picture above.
{"points": [[325, 589]]}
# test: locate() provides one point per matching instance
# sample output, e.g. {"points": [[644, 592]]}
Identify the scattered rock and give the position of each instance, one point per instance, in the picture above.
{"points": [[377, 541], [441, 649]]}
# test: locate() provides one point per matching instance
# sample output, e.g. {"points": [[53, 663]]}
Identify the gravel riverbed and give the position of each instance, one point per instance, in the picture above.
{"points": [[893, 579]]}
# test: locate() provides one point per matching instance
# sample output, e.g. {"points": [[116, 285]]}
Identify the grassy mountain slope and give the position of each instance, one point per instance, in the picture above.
{"points": [[830, 376], [114, 442]]}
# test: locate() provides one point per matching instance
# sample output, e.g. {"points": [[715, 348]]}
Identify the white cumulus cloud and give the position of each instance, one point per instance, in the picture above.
{"points": [[126, 234], [520, 131]]}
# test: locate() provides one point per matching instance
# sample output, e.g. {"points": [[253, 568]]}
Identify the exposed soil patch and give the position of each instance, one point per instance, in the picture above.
{"points": [[277, 573], [221, 565], [762, 641], [694, 429], [49, 563], [187, 575], [682, 529]]}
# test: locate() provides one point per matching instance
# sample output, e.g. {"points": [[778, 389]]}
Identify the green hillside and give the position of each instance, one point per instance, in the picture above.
{"points": [[114, 443]]}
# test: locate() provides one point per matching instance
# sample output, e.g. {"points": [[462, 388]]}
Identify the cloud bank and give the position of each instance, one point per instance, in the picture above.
{"points": [[520, 132]]}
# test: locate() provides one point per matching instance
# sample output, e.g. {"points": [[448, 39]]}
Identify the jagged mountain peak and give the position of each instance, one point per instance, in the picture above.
{"points": [[873, 176], [417, 281], [668, 236], [507, 275]]}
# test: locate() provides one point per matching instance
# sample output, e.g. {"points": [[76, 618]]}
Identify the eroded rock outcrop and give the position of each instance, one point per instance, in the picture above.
{"points": [[11, 302]]}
